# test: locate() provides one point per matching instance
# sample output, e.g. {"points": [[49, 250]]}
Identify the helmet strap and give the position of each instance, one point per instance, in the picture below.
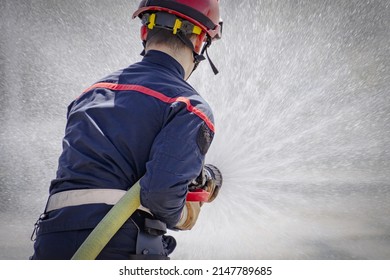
{"points": [[212, 65], [199, 57], [144, 45], [205, 48]]}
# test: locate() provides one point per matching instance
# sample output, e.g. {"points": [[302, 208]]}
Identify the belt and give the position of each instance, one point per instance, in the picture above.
{"points": [[86, 196]]}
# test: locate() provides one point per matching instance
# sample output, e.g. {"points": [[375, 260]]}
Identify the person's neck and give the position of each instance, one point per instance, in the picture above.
{"points": [[184, 56]]}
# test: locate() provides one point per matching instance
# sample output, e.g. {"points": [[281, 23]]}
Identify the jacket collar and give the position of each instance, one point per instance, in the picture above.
{"points": [[164, 60]]}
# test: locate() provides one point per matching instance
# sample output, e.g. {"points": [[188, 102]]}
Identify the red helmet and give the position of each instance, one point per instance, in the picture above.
{"points": [[202, 13]]}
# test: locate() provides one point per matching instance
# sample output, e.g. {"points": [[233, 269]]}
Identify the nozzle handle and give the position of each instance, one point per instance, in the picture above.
{"points": [[212, 182]]}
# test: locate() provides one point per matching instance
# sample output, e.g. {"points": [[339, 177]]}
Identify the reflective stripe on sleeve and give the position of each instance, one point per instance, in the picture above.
{"points": [[158, 95]]}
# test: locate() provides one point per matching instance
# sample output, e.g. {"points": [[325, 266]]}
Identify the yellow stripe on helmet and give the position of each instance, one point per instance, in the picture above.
{"points": [[152, 21]]}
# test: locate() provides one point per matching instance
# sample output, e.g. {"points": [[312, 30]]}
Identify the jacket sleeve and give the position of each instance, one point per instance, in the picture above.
{"points": [[175, 160]]}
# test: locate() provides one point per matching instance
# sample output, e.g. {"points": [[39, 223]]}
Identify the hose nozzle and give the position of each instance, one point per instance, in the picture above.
{"points": [[206, 186]]}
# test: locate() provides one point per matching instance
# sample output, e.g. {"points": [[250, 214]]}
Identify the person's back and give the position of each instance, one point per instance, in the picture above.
{"points": [[143, 122]]}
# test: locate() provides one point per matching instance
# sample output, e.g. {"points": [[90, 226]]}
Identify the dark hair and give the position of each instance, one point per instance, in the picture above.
{"points": [[165, 36]]}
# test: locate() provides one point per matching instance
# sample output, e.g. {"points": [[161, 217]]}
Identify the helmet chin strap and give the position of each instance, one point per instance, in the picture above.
{"points": [[198, 57], [205, 48]]}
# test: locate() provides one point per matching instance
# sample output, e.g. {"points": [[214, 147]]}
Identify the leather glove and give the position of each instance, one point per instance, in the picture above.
{"points": [[189, 215], [213, 189]]}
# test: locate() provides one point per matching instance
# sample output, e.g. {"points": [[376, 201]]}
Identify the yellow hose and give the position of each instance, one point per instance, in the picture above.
{"points": [[109, 225]]}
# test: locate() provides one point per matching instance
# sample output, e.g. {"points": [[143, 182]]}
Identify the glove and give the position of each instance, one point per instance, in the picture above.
{"points": [[213, 188], [189, 215]]}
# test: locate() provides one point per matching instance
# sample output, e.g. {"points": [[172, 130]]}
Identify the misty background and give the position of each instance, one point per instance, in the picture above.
{"points": [[302, 110]]}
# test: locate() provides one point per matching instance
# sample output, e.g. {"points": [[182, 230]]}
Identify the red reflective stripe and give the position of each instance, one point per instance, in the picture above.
{"points": [[157, 95]]}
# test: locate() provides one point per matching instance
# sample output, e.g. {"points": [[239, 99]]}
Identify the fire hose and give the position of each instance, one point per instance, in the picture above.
{"points": [[203, 189]]}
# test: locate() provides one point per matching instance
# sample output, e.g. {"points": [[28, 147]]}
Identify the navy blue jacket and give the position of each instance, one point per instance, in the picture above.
{"points": [[144, 121]]}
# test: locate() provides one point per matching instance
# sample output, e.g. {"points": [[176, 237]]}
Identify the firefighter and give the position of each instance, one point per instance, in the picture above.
{"points": [[144, 122]]}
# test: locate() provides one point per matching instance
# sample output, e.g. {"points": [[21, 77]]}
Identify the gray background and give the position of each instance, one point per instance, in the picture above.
{"points": [[302, 111]]}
